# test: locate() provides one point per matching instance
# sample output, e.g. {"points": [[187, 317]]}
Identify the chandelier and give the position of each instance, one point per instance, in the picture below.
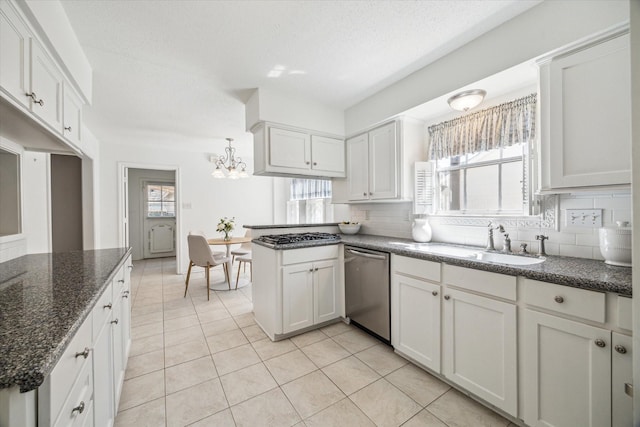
{"points": [[229, 165]]}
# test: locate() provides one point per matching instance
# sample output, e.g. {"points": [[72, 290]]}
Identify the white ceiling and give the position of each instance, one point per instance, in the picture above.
{"points": [[179, 71]]}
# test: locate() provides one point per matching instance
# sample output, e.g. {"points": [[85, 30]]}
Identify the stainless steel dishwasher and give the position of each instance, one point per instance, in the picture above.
{"points": [[367, 290]]}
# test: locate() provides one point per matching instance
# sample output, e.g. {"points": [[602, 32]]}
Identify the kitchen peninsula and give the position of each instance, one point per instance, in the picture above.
{"points": [[65, 326]]}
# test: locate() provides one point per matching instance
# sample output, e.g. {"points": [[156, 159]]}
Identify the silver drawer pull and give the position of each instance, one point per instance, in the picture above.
{"points": [[34, 97], [121, 281], [559, 299], [79, 408], [620, 349], [84, 353], [115, 321], [628, 389], [447, 297], [130, 267], [67, 128], [107, 306], [600, 343], [434, 293]]}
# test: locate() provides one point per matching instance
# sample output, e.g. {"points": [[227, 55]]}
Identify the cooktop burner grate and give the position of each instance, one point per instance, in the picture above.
{"points": [[281, 239]]}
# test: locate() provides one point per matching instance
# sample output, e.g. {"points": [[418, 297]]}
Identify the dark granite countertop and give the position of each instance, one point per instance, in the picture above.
{"points": [[44, 298], [576, 272], [297, 245]]}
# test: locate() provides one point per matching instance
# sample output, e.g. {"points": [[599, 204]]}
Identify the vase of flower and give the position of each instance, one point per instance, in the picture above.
{"points": [[226, 226]]}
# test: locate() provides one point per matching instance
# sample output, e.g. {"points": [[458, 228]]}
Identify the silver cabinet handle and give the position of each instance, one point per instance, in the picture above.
{"points": [[79, 409], [67, 128], [370, 193], [447, 297], [434, 293], [315, 163], [620, 349], [121, 281], [35, 99], [364, 194], [107, 306], [307, 163], [628, 389], [311, 270], [600, 343], [84, 353], [130, 267], [559, 299], [115, 321]]}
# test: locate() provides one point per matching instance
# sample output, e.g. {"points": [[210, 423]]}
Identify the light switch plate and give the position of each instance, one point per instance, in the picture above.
{"points": [[584, 218]]}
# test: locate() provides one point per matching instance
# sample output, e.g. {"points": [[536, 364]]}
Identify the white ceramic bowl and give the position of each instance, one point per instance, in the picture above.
{"points": [[349, 228], [615, 245]]}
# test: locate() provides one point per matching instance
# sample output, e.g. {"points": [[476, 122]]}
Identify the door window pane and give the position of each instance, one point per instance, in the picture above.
{"points": [[161, 200]]}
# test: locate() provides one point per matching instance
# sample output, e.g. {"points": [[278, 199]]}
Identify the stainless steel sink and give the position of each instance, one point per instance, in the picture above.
{"points": [[473, 253]]}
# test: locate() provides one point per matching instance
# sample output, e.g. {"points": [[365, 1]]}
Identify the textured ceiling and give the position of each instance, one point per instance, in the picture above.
{"points": [[181, 70]]}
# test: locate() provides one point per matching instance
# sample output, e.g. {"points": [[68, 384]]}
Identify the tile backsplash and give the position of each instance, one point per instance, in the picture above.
{"points": [[395, 219]]}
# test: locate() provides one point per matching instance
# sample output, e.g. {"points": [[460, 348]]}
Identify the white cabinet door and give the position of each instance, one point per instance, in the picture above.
{"points": [[621, 374], [72, 117], [46, 87], [589, 119], [119, 362], [297, 297], [104, 408], [383, 162], [289, 149], [567, 372], [325, 296], [358, 167], [415, 320], [327, 156], [480, 348], [14, 55]]}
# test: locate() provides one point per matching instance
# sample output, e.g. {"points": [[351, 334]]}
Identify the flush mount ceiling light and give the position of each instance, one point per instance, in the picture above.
{"points": [[466, 100], [229, 165]]}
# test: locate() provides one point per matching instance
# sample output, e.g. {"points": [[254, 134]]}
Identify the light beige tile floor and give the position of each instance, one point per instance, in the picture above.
{"points": [[195, 362]]}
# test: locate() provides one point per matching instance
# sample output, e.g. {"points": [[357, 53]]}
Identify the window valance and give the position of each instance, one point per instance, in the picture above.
{"points": [[500, 126]]}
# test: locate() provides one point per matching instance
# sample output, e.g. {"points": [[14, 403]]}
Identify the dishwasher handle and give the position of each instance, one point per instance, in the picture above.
{"points": [[366, 255]]}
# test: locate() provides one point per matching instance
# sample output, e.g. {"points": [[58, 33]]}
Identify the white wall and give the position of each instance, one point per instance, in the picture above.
{"points": [[36, 189], [203, 199], [539, 30]]}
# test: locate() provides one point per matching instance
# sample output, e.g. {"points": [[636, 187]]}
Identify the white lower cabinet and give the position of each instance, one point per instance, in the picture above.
{"points": [[480, 347], [309, 294], [621, 378], [415, 320], [567, 372]]}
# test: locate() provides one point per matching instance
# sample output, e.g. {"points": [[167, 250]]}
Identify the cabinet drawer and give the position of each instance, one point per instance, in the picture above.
{"points": [[58, 384], [119, 283], [498, 285], [102, 310], [78, 407], [576, 302], [624, 313], [295, 256], [419, 268]]}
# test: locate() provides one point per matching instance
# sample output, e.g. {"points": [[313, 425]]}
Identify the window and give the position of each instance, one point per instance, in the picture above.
{"points": [[485, 182], [309, 201], [481, 159], [161, 201]]}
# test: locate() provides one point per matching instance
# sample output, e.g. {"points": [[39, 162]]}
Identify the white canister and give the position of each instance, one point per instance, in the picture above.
{"points": [[421, 230], [615, 244]]}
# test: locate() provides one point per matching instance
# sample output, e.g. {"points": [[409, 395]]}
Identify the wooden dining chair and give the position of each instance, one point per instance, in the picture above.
{"points": [[246, 259], [245, 248], [200, 255]]}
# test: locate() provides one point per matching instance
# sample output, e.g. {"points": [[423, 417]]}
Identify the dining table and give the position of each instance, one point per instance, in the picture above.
{"points": [[222, 286]]}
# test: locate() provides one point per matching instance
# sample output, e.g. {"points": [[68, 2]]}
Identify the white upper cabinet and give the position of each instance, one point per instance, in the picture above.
{"points": [[45, 87], [14, 55], [284, 151], [380, 163], [72, 117], [586, 116]]}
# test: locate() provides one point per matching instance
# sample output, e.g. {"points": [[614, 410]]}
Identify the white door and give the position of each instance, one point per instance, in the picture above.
{"points": [[567, 372], [383, 162], [621, 375], [327, 155], [326, 291], [159, 221], [480, 348], [14, 51], [358, 169], [297, 297], [415, 320], [46, 85]]}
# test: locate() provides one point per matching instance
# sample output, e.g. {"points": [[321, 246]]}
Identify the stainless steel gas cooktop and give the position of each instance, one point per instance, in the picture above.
{"points": [[283, 239]]}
